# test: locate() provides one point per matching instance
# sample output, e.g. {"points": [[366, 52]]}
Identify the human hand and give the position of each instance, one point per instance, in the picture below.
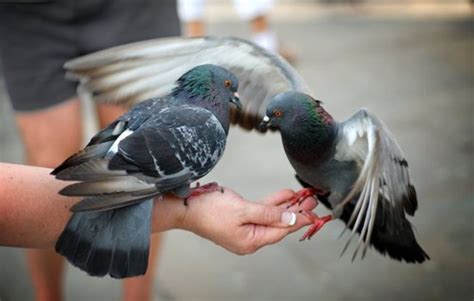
{"points": [[242, 226]]}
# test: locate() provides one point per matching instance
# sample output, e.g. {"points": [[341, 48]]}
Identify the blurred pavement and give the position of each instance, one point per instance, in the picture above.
{"points": [[414, 71]]}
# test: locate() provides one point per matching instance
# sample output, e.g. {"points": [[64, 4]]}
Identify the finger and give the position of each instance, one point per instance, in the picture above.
{"points": [[279, 197], [271, 235], [274, 216]]}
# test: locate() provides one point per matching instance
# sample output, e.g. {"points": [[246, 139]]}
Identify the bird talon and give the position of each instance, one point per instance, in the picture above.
{"points": [[318, 223], [301, 195], [201, 189]]}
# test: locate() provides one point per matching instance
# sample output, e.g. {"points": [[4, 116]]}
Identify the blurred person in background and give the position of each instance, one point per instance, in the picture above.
{"points": [[191, 13], [36, 40]]}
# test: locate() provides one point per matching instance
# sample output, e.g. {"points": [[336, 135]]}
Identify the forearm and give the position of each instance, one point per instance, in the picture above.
{"points": [[33, 214]]}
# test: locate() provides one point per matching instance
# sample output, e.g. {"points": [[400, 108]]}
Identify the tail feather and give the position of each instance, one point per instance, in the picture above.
{"points": [[392, 234], [114, 242]]}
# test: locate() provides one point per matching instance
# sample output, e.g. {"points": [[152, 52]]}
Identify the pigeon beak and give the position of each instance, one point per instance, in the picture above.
{"points": [[265, 124], [236, 101]]}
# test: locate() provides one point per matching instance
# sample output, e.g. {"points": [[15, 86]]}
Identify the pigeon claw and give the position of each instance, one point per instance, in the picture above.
{"points": [[302, 195], [207, 188], [318, 223]]}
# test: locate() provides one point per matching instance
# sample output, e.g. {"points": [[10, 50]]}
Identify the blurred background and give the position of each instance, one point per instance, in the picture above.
{"points": [[411, 63]]}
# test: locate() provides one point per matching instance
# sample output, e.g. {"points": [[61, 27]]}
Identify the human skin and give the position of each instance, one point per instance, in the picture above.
{"points": [[33, 214]]}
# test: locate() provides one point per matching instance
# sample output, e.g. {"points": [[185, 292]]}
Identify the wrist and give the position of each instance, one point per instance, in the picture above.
{"points": [[168, 213]]}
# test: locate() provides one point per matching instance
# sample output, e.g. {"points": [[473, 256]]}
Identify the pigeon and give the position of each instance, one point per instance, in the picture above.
{"points": [[355, 168], [161, 145]]}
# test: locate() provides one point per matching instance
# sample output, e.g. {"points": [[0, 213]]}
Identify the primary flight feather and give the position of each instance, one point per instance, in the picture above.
{"points": [[138, 71]]}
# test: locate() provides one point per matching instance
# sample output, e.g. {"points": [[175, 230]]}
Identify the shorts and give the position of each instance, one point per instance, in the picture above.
{"points": [[37, 39]]}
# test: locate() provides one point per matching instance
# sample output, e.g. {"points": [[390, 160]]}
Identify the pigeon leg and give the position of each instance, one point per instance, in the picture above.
{"points": [[201, 189], [302, 195], [318, 223]]}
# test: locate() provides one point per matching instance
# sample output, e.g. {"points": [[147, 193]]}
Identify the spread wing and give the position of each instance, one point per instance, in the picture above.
{"points": [[134, 72], [384, 174]]}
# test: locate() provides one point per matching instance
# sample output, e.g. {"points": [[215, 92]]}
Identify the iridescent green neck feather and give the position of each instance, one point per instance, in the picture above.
{"points": [[310, 132], [196, 83]]}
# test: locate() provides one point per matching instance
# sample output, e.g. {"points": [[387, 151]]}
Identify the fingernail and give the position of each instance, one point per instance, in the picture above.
{"points": [[289, 218]]}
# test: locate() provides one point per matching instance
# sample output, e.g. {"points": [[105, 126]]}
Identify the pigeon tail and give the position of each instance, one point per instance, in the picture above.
{"points": [[114, 242], [392, 234], [401, 246]]}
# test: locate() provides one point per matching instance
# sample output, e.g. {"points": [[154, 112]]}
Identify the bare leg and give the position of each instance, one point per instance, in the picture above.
{"points": [[141, 288], [46, 269], [259, 24], [109, 112], [49, 136], [191, 13], [265, 37], [136, 288], [195, 28]]}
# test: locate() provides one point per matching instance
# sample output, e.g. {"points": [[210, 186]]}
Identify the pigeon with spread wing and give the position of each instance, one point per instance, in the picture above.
{"points": [[355, 167]]}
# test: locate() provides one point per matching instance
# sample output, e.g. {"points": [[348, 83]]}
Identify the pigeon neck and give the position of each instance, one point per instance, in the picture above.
{"points": [[310, 141], [211, 102], [219, 108]]}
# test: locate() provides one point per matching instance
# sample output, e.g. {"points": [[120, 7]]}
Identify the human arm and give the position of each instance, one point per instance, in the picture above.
{"points": [[33, 214]]}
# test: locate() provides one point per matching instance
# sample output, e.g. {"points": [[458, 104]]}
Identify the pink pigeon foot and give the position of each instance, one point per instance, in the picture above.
{"points": [[318, 223], [207, 188], [302, 195]]}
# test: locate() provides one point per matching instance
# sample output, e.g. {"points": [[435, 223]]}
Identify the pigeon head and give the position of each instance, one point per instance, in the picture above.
{"points": [[296, 113], [293, 109], [209, 86]]}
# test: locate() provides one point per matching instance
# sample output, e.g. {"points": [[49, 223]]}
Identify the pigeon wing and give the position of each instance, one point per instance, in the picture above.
{"points": [[134, 72], [384, 175], [170, 150]]}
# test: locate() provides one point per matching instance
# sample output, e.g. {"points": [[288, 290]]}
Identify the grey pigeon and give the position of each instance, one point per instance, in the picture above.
{"points": [[355, 167], [161, 145]]}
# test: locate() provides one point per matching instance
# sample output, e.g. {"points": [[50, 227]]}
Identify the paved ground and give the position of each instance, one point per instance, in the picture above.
{"points": [[416, 73]]}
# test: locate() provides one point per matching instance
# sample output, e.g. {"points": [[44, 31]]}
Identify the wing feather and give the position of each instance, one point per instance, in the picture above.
{"points": [[384, 174], [134, 72]]}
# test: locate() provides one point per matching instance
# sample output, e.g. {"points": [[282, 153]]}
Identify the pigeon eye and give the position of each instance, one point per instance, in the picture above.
{"points": [[227, 83], [277, 113]]}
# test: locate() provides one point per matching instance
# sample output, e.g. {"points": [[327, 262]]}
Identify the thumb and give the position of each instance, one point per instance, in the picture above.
{"points": [[268, 215]]}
